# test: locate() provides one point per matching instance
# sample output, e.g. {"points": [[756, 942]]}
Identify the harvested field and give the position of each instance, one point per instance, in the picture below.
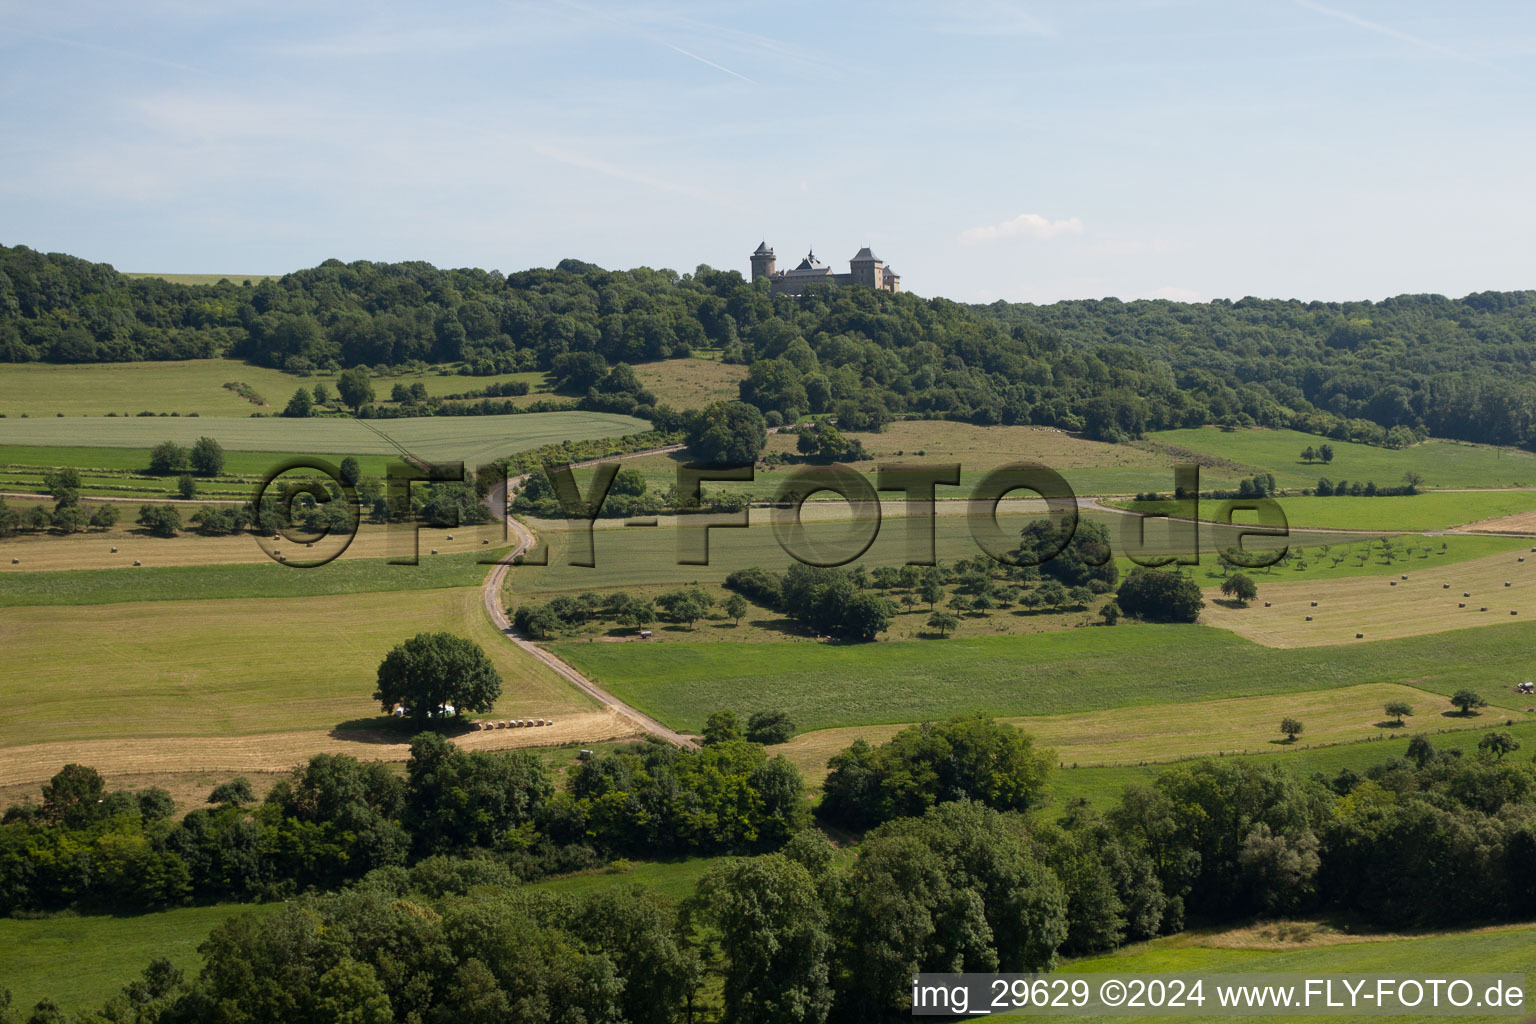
{"points": [[1429, 600], [278, 751]]}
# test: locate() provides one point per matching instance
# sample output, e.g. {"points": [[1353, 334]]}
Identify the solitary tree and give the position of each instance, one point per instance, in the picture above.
{"points": [[431, 670], [944, 622], [1110, 613], [1467, 701], [1291, 727], [1308, 454], [1398, 708], [1325, 452], [1414, 479], [1240, 588]]}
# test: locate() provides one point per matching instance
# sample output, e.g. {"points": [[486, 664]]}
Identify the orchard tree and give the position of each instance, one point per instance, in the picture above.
{"points": [[944, 622], [1292, 728], [1398, 709], [736, 607], [433, 669], [1497, 744], [166, 458]]}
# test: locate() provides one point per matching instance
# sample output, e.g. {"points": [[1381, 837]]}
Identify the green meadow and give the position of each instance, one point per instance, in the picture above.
{"points": [[823, 685], [1428, 510], [472, 439], [82, 961], [242, 580], [1443, 463]]}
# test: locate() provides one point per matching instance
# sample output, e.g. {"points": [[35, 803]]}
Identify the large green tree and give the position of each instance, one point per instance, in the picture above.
{"points": [[431, 670]]}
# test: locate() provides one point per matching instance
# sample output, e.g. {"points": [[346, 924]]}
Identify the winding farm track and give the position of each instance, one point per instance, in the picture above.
{"points": [[491, 595]]}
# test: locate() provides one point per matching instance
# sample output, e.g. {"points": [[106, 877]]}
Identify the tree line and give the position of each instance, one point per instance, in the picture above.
{"points": [[1383, 373]]}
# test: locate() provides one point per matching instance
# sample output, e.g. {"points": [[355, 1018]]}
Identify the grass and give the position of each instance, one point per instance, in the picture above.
{"points": [[691, 383], [1318, 951], [81, 962], [1420, 597], [472, 439], [1429, 510], [674, 878], [239, 581], [1170, 732], [235, 667], [1044, 673], [1443, 463], [106, 461], [183, 386]]}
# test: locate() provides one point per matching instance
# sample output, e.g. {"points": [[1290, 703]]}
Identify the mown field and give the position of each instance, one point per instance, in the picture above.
{"points": [[823, 685], [182, 386], [1170, 732], [234, 667], [1421, 597], [472, 439], [82, 961], [1443, 463]]}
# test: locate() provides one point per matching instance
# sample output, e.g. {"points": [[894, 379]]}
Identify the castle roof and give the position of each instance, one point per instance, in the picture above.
{"points": [[863, 254], [812, 264], [762, 249]]}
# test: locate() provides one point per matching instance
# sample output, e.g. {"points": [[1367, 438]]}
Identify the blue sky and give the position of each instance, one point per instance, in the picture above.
{"points": [[1291, 148]]}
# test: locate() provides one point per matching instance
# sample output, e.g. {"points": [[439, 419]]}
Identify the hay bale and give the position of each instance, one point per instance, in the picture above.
{"points": [[1359, 636], [1314, 604], [1483, 608], [137, 562], [1392, 583], [114, 551], [1466, 593], [1506, 583], [1309, 618], [1461, 604], [1445, 586], [450, 536], [1513, 612], [434, 551], [1266, 604], [1405, 577], [483, 541]]}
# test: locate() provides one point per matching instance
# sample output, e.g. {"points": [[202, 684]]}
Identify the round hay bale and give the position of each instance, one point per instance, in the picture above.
{"points": [[15, 561], [1520, 559], [434, 551], [1309, 618], [1314, 604], [1405, 577], [1513, 612], [1466, 593], [114, 551], [1483, 608], [1445, 586], [1359, 636], [484, 541], [1392, 583], [1461, 604], [1506, 583], [1266, 604], [450, 536], [137, 562]]}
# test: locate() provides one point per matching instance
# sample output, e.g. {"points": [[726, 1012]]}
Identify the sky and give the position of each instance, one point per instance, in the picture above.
{"points": [[1347, 149]]}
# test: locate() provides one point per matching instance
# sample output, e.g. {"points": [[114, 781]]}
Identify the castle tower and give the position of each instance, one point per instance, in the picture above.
{"points": [[762, 261], [867, 268]]}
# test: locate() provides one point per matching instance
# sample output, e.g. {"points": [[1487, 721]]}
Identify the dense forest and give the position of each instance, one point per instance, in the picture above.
{"points": [[1386, 373]]}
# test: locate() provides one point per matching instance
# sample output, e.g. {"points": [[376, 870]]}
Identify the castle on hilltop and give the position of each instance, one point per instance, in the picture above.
{"points": [[865, 269]]}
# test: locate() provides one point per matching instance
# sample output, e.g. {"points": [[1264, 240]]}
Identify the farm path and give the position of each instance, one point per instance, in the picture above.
{"points": [[492, 596]]}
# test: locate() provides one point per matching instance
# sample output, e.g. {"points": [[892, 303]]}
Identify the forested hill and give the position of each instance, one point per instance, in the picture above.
{"points": [[1385, 372]]}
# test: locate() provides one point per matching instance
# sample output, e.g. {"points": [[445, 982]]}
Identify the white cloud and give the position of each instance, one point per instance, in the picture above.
{"points": [[1025, 225]]}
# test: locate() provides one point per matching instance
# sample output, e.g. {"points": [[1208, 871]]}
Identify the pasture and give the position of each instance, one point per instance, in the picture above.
{"points": [[1101, 786], [1443, 463], [235, 667], [82, 961], [1405, 513], [41, 390], [471, 439], [691, 383], [1064, 672], [1171, 732], [1431, 599]]}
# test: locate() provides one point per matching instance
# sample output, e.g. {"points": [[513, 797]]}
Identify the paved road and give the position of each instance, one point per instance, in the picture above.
{"points": [[491, 594]]}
